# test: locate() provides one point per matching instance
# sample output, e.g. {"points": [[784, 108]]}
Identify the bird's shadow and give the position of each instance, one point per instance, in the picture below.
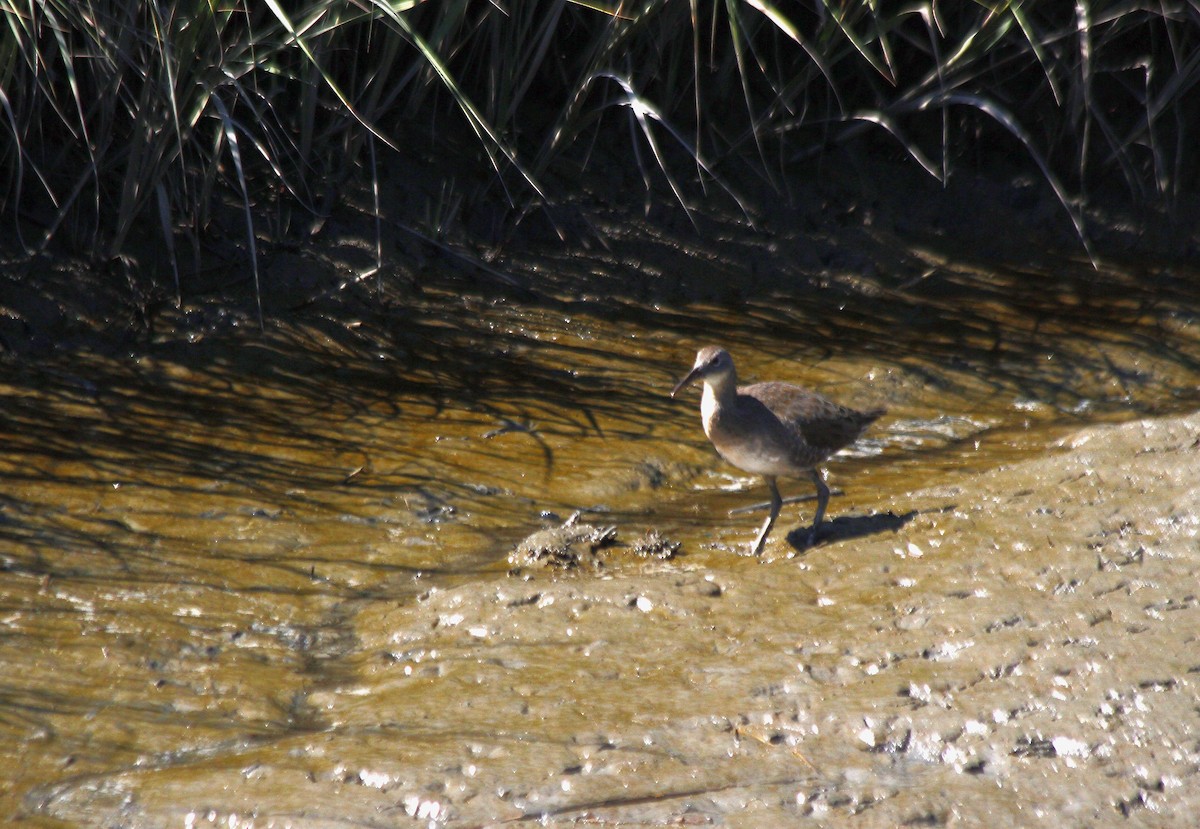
{"points": [[847, 527]]}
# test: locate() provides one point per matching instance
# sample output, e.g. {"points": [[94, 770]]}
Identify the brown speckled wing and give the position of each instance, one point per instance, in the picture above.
{"points": [[824, 424]]}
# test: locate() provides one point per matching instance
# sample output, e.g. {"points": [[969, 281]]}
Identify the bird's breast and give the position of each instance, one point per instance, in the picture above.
{"points": [[748, 436]]}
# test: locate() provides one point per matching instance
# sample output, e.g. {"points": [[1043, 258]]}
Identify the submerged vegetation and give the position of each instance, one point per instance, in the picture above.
{"points": [[180, 119]]}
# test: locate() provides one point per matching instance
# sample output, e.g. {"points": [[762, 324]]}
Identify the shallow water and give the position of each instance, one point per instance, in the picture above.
{"points": [[237, 569]]}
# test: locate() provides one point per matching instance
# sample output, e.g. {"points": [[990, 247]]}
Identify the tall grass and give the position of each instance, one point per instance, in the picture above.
{"points": [[119, 115]]}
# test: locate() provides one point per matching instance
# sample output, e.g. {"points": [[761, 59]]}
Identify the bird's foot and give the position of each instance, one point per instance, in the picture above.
{"points": [[760, 543]]}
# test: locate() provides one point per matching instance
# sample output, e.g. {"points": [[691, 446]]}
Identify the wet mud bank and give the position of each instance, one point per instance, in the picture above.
{"points": [[328, 574], [1022, 652]]}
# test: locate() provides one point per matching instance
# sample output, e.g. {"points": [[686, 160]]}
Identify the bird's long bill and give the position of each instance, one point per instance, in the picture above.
{"points": [[692, 375]]}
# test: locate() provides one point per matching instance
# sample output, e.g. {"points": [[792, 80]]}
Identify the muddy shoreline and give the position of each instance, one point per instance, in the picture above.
{"points": [[1023, 652], [264, 578]]}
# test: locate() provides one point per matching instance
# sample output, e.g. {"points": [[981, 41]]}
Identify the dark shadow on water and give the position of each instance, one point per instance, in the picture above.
{"points": [[848, 527]]}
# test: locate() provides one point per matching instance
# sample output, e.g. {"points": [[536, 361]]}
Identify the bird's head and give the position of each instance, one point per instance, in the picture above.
{"points": [[713, 365]]}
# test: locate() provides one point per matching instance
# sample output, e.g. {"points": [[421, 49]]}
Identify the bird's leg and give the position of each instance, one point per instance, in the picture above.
{"points": [[776, 503], [822, 502]]}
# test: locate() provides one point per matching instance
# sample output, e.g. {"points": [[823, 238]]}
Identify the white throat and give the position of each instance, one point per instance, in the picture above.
{"points": [[708, 408]]}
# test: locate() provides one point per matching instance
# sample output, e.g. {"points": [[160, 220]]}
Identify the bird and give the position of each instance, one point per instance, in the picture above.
{"points": [[772, 429]]}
